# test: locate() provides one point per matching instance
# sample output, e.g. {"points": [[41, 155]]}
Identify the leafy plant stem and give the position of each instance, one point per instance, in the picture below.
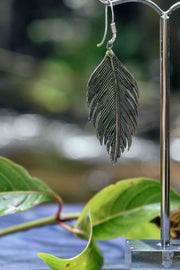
{"points": [[29, 225], [39, 223], [71, 228]]}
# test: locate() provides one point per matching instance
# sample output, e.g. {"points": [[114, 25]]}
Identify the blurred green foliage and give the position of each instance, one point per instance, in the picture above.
{"points": [[61, 38], [47, 54]]}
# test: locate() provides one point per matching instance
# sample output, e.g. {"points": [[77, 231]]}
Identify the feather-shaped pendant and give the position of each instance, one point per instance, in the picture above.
{"points": [[112, 99]]}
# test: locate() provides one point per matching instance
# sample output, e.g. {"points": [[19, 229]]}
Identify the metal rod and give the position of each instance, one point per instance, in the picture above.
{"points": [[173, 8], [165, 94], [146, 2], [165, 160]]}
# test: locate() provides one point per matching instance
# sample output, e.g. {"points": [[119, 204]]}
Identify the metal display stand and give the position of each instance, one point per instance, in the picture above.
{"points": [[154, 254]]}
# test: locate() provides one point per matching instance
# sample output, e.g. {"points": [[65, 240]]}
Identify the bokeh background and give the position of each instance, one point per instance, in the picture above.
{"points": [[47, 53]]}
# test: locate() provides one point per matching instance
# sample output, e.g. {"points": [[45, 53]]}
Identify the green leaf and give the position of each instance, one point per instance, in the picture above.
{"points": [[124, 206], [91, 258], [146, 231], [19, 191]]}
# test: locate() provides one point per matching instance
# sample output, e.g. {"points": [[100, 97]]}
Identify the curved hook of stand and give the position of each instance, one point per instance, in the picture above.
{"points": [[173, 8], [146, 2], [116, 2]]}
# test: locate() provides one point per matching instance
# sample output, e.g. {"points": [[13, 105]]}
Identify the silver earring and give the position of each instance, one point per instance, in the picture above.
{"points": [[112, 98]]}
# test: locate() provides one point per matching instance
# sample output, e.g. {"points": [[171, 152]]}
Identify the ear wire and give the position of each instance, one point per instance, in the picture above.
{"points": [[113, 28], [106, 28]]}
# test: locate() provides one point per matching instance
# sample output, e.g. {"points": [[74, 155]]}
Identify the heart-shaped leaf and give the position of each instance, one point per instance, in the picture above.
{"points": [[122, 207], [91, 258], [19, 191]]}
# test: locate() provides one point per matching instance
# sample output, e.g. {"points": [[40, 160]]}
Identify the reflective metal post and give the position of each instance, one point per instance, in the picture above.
{"points": [[165, 93], [165, 159]]}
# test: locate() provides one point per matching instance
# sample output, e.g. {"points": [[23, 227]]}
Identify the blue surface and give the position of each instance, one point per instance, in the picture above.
{"points": [[18, 251]]}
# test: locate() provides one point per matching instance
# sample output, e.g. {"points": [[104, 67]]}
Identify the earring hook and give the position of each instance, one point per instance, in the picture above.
{"points": [[112, 10], [113, 28], [106, 28]]}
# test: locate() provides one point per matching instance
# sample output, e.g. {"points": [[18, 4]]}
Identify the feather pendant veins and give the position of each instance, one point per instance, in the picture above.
{"points": [[112, 98]]}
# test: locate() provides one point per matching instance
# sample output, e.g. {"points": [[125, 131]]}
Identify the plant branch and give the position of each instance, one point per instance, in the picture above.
{"points": [[40, 223], [69, 217], [29, 225], [71, 229]]}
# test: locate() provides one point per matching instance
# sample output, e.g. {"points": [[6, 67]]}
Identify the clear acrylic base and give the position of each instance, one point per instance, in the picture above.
{"points": [[148, 255]]}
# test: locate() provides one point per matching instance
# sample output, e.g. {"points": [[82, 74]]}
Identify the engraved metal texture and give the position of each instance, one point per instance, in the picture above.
{"points": [[112, 98]]}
